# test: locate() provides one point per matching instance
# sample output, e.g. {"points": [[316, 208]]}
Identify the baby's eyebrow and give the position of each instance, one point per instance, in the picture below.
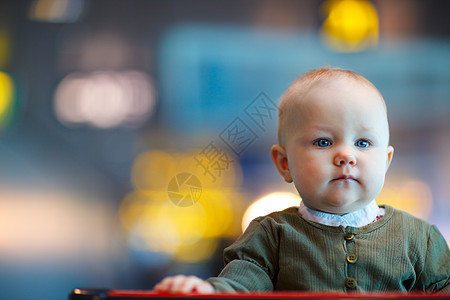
{"points": [[371, 130], [322, 127], [363, 131], [365, 127], [315, 131]]}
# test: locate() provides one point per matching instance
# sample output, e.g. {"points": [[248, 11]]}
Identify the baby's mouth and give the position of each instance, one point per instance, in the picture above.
{"points": [[345, 178]]}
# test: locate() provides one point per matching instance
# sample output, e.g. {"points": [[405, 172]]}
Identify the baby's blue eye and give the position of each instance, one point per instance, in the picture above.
{"points": [[362, 143], [322, 143]]}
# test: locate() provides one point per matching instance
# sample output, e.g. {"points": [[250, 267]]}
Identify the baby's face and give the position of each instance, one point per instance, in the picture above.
{"points": [[337, 147]]}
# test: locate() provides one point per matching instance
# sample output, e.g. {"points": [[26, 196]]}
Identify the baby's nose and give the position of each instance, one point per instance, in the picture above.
{"points": [[345, 158]]}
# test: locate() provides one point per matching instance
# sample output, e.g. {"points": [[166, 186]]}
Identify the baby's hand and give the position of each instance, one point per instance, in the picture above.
{"points": [[184, 284]]}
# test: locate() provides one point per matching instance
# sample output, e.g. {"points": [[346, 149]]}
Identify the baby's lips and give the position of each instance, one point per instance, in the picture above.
{"points": [[345, 177]]}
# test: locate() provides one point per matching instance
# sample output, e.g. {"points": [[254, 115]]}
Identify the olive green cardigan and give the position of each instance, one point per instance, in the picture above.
{"points": [[283, 251]]}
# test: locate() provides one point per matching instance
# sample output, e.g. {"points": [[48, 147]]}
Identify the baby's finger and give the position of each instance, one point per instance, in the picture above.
{"points": [[188, 284], [176, 283], [204, 288], [164, 285]]}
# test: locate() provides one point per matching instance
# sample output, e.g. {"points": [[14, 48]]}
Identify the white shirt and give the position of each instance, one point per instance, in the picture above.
{"points": [[357, 218]]}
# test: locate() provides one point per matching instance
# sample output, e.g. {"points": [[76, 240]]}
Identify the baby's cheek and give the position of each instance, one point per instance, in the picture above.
{"points": [[374, 179], [307, 185]]}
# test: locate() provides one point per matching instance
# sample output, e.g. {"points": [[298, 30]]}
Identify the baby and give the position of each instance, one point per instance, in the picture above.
{"points": [[334, 146]]}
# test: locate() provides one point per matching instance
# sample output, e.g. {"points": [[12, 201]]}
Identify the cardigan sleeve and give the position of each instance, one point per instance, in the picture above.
{"points": [[250, 262], [436, 272]]}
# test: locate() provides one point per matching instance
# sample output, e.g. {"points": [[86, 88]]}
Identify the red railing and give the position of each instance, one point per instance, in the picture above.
{"points": [[98, 294]]}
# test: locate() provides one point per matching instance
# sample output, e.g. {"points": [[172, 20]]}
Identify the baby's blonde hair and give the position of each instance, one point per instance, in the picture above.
{"points": [[303, 84]]}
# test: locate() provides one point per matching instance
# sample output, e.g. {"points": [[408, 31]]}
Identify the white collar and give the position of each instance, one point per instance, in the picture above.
{"points": [[357, 218]]}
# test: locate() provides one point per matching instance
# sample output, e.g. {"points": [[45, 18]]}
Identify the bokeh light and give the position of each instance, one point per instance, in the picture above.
{"points": [[52, 224], [231, 176], [350, 25], [272, 202], [56, 11], [152, 170], [155, 223], [6, 98], [105, 99], [412, 196]]}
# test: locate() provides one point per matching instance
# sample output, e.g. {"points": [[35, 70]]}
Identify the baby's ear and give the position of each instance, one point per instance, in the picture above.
{"points": [[390, 154], [280, 159]]}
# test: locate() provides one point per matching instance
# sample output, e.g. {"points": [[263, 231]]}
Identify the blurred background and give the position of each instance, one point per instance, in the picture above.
{"points": [[135, 135]]}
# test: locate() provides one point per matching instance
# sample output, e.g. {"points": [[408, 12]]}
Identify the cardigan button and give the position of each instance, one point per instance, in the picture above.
{"points": [[351, 258], [350, 282], [349, 237]]}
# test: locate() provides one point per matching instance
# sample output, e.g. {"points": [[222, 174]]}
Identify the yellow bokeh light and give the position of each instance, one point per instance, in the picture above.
{"points": [[155, 220], [180, 226], [6, 97], [153, 170], [138, 203], [273, 202], [350, 25], [218, 212], [412, 196], [201, 250], [155, 224], [230, 176]]}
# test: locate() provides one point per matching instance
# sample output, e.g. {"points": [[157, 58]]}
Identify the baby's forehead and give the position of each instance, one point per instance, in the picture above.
{"points": [[297, 100], [298, 93]]}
